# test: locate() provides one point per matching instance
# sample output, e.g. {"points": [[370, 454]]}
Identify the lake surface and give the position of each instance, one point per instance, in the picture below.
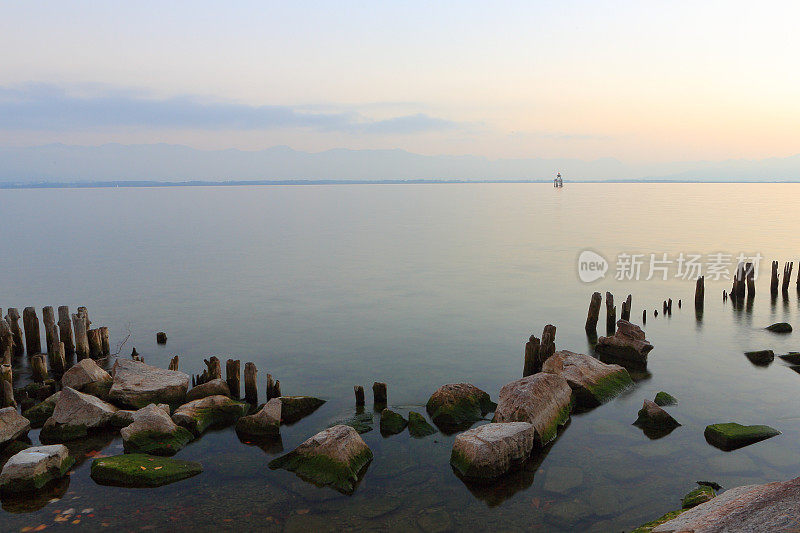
{"points": [[326, 287]]}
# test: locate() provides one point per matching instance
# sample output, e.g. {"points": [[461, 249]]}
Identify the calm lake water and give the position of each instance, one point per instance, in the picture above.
{"points": [[326, 287]]}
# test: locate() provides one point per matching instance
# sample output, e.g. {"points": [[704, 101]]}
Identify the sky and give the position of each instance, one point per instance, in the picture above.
{"points": [[644, 82]]}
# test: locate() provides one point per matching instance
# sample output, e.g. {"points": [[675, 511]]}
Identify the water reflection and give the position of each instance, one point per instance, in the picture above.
{"points": [[29, 502]]}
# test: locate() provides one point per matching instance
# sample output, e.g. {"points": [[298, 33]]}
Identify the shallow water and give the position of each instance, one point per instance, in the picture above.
{"points": [[326, 287]]}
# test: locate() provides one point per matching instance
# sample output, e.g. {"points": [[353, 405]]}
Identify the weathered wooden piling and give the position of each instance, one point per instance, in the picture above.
{"points": [[7, 386], [669, 306], [787, 276], [644, 316], [679, 304], [39, 368], [12, 318], [626, 308], [724, 295], [773, 282], [214, 367], [276, 389], [105, 343], [359, 391], [379, 393], [173, 363], [6, 343], [664, 308], [740, 281], [270, 387], [594, 312], [81, 337], [65, 330], [655, 313], [532, 354], [611, 315], [85, 314], [547, 346], [33, 341], [233, 376], [50, 331], [7, 373], [58, 361], [750, 277], [250, 385], [161, 338], [699, 293], [95, 343]]}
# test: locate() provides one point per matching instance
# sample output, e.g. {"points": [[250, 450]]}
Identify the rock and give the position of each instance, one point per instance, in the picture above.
{"points": [[12, 425], [592, 381], [32, 468], [361, 421], [791, 358], [648, 527], [664, 398], [491, 450], [137, 384], [702, 494], [392, 423], [294, 408], [730, 435], [457, 406], [140, 470], [628, 343], [199, 415], [264, 423], [333, 457], [84, 372], [418, 427], [39, 413], [562, 479], [653, 416], [769, 507], [122, 418], [543, 399], [154, 432], [780, 327], [760, 357], [210, 388], [161, 337], [74, 414]]}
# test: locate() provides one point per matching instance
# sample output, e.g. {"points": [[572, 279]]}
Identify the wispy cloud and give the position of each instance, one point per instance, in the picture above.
{"points": [[50, 107]]}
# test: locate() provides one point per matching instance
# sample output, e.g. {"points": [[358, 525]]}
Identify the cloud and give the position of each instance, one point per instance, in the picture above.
{"points": [[50, 107]]}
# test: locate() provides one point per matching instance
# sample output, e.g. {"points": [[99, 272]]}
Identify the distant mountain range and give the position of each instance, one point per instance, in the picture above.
{"points": [[59, 163]]}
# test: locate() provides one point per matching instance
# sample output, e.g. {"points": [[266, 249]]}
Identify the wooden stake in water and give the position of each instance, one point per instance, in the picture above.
{"points": [[6, 343], [65, 331], [33, 341], [81, 338], [359, 391], [611, 315], [39, 368], [787, 276], [379, 397], [173, 363], [773, 282], [50, 332], [232, 376], [95, 343], [250, 385], [12, 317], [699, 293], [594, 313], [532, 355], [7, 384]]}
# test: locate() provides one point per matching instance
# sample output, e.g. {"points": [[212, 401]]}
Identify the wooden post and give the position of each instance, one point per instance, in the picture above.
{"points": [[611, 315], [547, 346], [232, 376], [105, 343], [58, 362], [773, 282], [214, 368], [532, 354], [669, 306], [594, 313], [679, 304], [276, 389], [38, 368], [379, 397], [750, 276], [173, 363], [644, 316], [699, 293], [65, 331], [81, 338], [250, 386], [359, 390], [270, 388], [7, 386], [6, 343], [12, 317], [95, 343], [664, 308], [33, 341], [50, 331], [85, 314], [7, 373], [787, 276]]}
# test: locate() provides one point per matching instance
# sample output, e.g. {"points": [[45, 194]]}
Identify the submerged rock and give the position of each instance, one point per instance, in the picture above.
{"points": [[154, 432], [392, 423], [137, 384], [12, 425], [653, 416], [83, 373], [730, 435], [769, 507], [760, 357], [592, 381], [418, 427], [140, 470], [265, 423], [32, 468], [39, 413], [490, 450], [74, 414], [213, 387], [457, 406], [294, 408], [701, 494], [544, 400], [791, 358], [780, 327], [333, 457], [627, 343], [664, 398], [211, 411]]}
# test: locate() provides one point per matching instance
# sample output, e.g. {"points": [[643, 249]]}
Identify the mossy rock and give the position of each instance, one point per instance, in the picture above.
{"points": [[99, 389], [791, 358], [293, 408], [665, 398], [140, 470], [730, 435], [780, 327], [57, 433], [648, 527], [323, 471], [212, 411], [392, 423], [35, 483], [39, 413], [158, 443], [418, 427], [361, 422], [702, 494], [760, 357], [457, 406]]}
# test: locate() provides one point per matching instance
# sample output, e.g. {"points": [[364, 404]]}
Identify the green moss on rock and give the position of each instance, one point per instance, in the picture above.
{"points": [[392, 423], [730, 435], [158, 443], [664, 398], [610, 386], [780, 327], [34, 483], [55, 433], [418, 427], [702, 494], [457, 406], [140, 470], [293, 408], [39, 413], [324, 471], [648, 527]]}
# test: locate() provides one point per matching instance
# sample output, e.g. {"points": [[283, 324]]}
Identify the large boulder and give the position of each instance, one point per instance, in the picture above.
{"points": [[730, 435], [628, 343], [137, 384], [333, 457], [83, 373], [74, 414], [753, 508], [154, 432], [209, 388], [12, 426], [39, 413], [544, 400], [592, 381], [32, 468], [293, 408], [456, 406], [141, 470], [491, 450], [265, 423], [211, 411]]}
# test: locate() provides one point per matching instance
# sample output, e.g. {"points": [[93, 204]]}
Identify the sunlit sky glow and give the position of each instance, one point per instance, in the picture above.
{"points": [[640, 81]]}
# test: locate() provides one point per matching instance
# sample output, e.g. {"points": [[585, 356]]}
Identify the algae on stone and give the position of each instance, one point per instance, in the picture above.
{"points": [[664, 398], [699, 495], [780, 327], [418, 427], [456, 406], [392, 423], [140, 470], [730, 435], [211, 411], [293, 408]]}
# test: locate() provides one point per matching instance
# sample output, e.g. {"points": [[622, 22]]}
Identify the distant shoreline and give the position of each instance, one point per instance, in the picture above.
{"points": [[240, 183]]}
